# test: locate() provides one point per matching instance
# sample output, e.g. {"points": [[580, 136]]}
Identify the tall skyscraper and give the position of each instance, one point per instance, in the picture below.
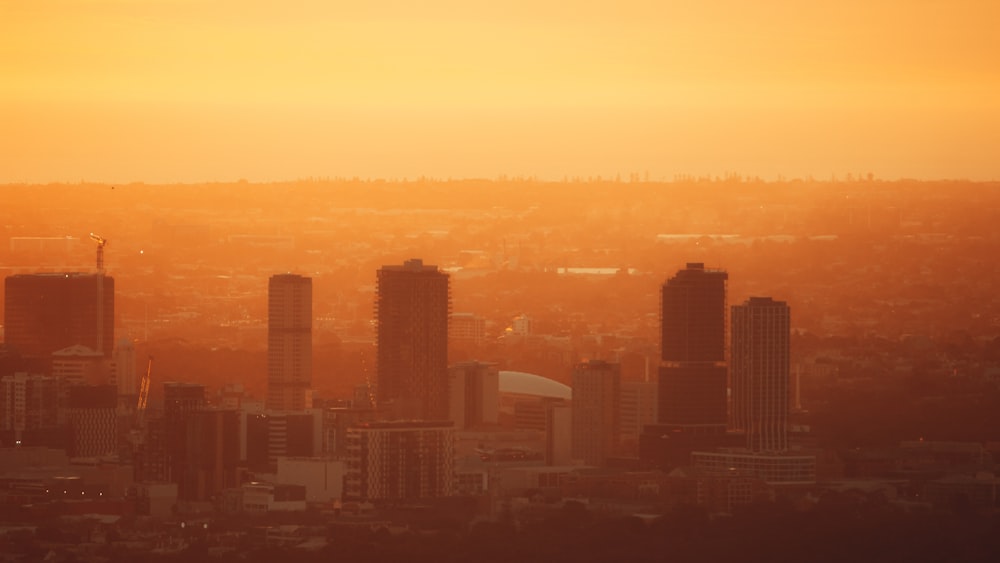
{"points": [[47, 312], [692, 375], [411, 312], [289, 342], [595, 412], [759, 365]]}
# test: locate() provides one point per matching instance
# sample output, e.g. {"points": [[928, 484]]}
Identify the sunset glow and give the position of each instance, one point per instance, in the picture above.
{"points": [[184, 90]]}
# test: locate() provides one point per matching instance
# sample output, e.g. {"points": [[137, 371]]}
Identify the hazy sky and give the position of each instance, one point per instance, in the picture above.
{"points": [[190, 90]]}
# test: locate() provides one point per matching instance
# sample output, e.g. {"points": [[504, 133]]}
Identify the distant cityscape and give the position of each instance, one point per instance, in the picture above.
{"points": [[389, 417]]}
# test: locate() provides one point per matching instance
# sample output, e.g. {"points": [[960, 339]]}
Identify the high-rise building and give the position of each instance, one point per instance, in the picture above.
{"points": [[692, 375], [47, 312], [595, 413], [474, 390], [289, 342], [411, 313], [692, 383], [400, 461], [759, 365]]}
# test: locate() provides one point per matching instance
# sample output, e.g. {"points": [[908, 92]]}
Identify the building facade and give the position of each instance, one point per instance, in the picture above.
{"points": [[289, 342], [759, 365], [411, 315], [47, 312], [692, 375], [474, 394], [596, 410], [400, 461]]}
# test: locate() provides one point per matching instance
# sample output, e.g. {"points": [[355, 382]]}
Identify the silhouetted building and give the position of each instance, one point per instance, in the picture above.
{"points": [[274, 434], [691, 394], [93, 420], [692, 382], [412, 307], [209, 460], [161, 457], [759, 365], [474, 390], [47, 312], [400, 461], [595, 414], [289, 342]]}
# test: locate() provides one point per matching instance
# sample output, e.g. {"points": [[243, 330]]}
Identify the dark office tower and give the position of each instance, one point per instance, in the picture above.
{"points": [[411, 312], [693, 315], [692, 382], [211, 454], [760, 374], [48, 312], [289, 342], [165, 456], [595, 412]]}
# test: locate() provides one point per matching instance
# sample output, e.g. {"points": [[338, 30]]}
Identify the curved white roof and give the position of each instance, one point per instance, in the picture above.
{"points": [[531, 384]]}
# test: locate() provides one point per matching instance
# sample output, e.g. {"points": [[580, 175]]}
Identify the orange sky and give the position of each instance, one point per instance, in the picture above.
{"points": [[191, 90]]}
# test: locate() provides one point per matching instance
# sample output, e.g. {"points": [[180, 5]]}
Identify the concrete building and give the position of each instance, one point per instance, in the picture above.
{"points": [[411, 315], [637, 409], [558, 433], [773, 469], [259, 498], [400, 461], [80, 365], [474, 394], [289, 342], [124, 368], [759, 365], [29, 409], [596, 401], [271, 435], [322, 478], [47, 312], [467, 328]]}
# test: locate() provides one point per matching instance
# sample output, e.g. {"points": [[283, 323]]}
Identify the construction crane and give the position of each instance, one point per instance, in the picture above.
{"points": [[140, 407], [101, 242]]}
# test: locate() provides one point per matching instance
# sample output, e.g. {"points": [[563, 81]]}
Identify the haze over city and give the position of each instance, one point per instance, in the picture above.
{"points": [[189, 91], [532, 281]]}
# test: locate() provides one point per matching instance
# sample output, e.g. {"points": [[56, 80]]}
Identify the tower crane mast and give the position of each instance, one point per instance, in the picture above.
{"points": [[101, 242]]}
